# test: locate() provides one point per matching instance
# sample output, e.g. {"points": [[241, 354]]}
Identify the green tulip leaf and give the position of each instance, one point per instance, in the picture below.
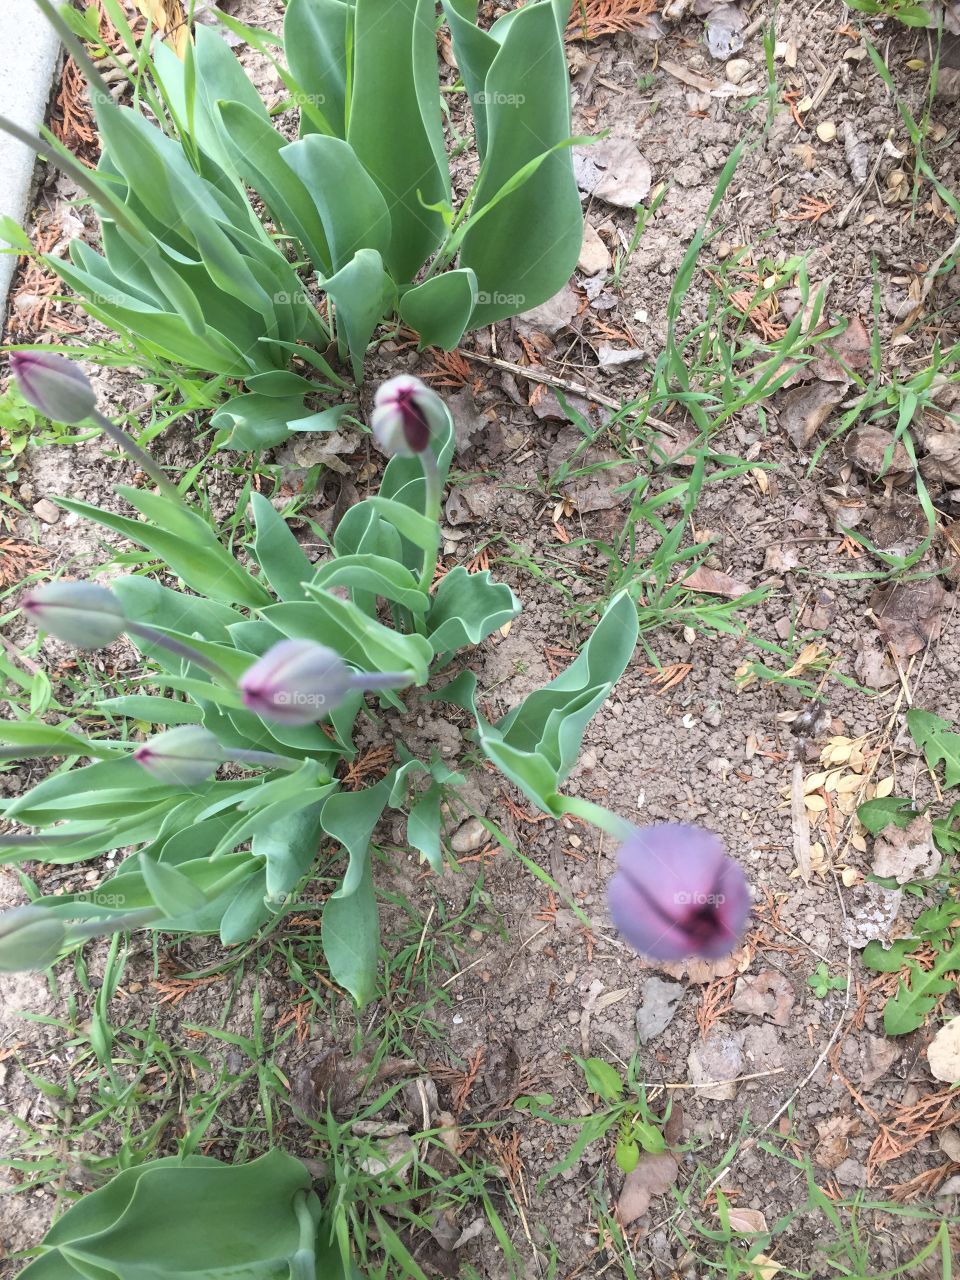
{"points": [[440, 309]]}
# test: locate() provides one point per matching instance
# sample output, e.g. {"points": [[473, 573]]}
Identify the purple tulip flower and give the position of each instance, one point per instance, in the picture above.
{"points": [[407, 414], [676, 893], [54, 385], [297, 681], [83, 614]]}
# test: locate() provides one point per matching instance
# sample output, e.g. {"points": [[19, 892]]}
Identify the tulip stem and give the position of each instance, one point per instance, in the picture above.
{"points": [[139, 455], [595, 814], [269, 758], [160, 638], [431, 509]]}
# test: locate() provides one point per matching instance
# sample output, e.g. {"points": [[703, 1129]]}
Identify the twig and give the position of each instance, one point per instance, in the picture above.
{"points": [[562, 384]]}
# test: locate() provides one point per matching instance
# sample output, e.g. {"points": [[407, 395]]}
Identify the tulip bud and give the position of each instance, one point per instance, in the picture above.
{"points": [[54, 385], [30, 938], [79, 613], [182, 757], [676, 893], [406, 416], [297, 681]]}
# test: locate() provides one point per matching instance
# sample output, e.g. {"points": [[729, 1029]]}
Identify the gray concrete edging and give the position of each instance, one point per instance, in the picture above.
{"points": [[29, 49]]}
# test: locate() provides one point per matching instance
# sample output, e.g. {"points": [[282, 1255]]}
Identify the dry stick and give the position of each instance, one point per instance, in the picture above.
{"points": [[562, 384]]}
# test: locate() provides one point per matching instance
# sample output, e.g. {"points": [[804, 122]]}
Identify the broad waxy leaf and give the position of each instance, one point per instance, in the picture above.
{"points": [[350, 933], [395, 95], [353, 212], [525, 248], [189, 1219], [440, 308], [317, 35], [363, 294], [468, 607]]}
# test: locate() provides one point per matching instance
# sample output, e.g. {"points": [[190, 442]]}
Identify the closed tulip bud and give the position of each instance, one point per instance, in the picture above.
{"points": [[406, 416], [30, 938], [297, 681], [181, 757], [54, 385], [78, 613], [676, 893]]}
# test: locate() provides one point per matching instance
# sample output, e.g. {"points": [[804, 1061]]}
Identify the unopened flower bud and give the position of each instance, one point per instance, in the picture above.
{"points": [[30, 938], [181, 757], [297, 681], [54, 385], [78, 613], [407, 414], [676, 893]]}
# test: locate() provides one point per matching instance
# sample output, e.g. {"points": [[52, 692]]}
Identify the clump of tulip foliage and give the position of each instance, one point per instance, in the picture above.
{"points": [[254, 676], [355, 221]]}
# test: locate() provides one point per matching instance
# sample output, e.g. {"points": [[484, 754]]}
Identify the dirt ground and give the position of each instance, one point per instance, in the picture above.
{"points": [[532, 985]]}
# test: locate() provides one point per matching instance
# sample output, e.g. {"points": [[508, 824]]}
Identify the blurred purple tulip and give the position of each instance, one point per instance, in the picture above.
{"points": [[83, 614], [676, 893], [297, 681], [54, 385]]}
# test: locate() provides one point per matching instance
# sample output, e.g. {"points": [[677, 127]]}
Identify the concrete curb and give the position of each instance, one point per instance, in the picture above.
{"points": [[29, 49]]}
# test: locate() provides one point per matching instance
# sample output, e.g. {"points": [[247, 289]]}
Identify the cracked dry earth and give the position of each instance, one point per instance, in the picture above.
{"points": [[690, 733]]}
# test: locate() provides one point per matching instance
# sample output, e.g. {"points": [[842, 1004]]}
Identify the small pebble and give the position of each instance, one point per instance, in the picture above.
{"points": [[469, 837], [46, 511], [826, 131], [737, 69]]}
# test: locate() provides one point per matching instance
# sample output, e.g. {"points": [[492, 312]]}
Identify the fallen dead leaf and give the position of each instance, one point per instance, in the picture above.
{"points": [[746, 1222], [701, 972], [834, 1147], [768, 994], [613, 170], [941, 467], [878, 1054], [715, 583], [849, 350], [653, 1176], [907, 614], [804, 409], [906, 853], [876, 452]]}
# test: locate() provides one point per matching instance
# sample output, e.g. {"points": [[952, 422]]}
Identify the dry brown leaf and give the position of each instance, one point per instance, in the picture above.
{"points": [[700, 972], [715, 583], [746, 1222], [614, 170], [876, 452], [768, 994], [941, 467], [850, 348], [653, 1176], [833, 1147], [907, 614], [168, 17], [804, 409], [906, 854]]}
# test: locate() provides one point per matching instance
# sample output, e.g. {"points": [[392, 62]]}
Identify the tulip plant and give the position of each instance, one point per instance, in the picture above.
{"points": [[195, 272], [254, 677], [193, 1219]]}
